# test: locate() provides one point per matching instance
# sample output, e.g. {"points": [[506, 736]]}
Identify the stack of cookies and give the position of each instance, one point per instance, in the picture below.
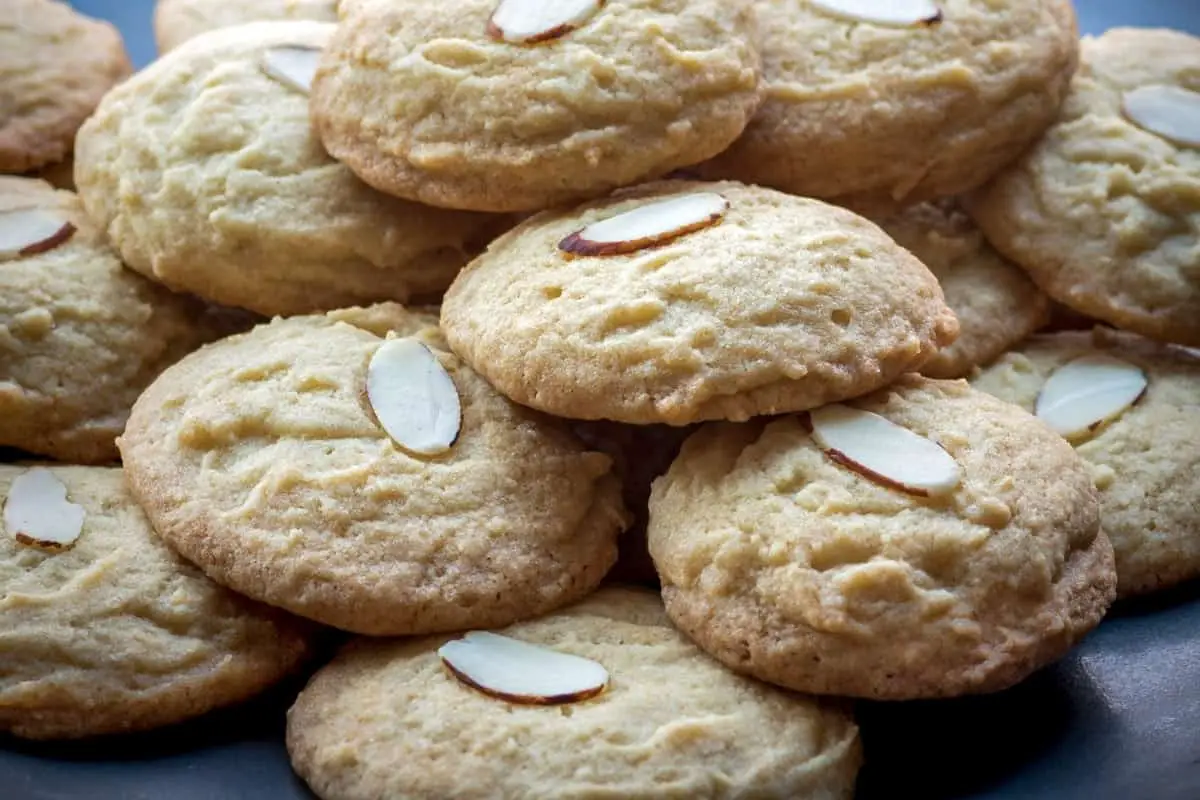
{"points": [[442, 325]]}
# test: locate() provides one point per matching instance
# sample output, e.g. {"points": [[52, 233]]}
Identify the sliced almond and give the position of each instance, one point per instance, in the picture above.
{"points": [[26, 231], [534, 21], [897, 13], [647, 226], [881, 450], [1084, 393], [38, 513], [292, 65], [521, 672], [414, 398], [1171, 112]]}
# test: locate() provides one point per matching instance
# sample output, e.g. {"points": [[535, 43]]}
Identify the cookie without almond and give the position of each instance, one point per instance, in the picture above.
{"points": [[386, 719], [774, 304], [117, 633], [264, 460], [794, 566], [176, 21]]}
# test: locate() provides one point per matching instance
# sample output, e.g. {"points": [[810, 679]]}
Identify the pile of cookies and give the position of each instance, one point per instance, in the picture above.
{"points": [[859, 331]]}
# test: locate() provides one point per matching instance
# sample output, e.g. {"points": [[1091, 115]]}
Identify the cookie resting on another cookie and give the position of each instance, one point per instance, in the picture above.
{"points": [[785, 561], [80, 335], [1104, 212], [386, 719], [875, 116], [205, 173], [683, 301], [115, 633], [472, 105], [55, 65], [264, 459], [1145, 458]]}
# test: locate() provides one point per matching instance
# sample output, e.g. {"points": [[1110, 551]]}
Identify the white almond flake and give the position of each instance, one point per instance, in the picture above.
{"points": [[883, 451], [1092, 389], [292, 65], [1167, 111], [414, 398], [534, 21], [897, 13], [647, 226], [521, 672], [38, 513], [26, 231]]}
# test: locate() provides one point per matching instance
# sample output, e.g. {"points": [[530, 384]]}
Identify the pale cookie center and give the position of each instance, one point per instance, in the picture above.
{"points": [[649, 225], [1167, 111], [38, 514], [520, 672], [28, 231], [1083, 394], [534, 21]]}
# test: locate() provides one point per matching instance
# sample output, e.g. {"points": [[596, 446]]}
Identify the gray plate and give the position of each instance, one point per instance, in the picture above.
{"points": [[1118, 719]]}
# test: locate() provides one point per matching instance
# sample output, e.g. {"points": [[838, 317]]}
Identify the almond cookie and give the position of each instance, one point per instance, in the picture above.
{"points": [[551, 102], [375, 485], [683, 301], [176, 21], [105, 630], [925, 541], [80, 335], [1104, 212], [876, 105], [205, 173], [391, 719], [1132, 410], [55, 65], [996, 304]]}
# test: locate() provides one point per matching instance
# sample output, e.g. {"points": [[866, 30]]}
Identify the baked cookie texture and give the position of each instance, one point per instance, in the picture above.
{"points": [[260, 459], [386, 719], [176, 21], [785, 304], [1104, 215], [206, 175], [1146, 462], [163, 643], [642, 87], [875, 117], [55, 65], [81, 336], [791, 568], [996, 303]]}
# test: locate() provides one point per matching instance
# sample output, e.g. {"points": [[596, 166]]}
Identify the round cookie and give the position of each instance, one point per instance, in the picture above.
{"points": [[262, 460], [782, 304], [176, 21], [163, 643], [876, 116], [996, 304], [55, 65], [786, 565], [633, 90], [1102, 212], [80, 335], [1146, 462], [206, 175], [386, 719]]}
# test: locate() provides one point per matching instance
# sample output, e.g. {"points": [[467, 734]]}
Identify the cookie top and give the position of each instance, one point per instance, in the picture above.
{"points": [[875, 116], [263, 460], [1146, 461], [779, 304], [205, 173], [80, 335], [386, 719], [629, 91], [163, 643], [55, 65], [794, 567], [997, 305], [1104, 213], [176, 21]]}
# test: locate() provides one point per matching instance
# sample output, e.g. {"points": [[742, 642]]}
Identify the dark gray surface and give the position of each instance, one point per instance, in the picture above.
{"points": [[1119, 719]]}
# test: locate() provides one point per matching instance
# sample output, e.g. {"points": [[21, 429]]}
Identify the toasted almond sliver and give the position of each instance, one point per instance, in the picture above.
{"points": [[1084, 393], [414, 398], [27, 231], [521, 672], [534, 21], [648, 225]]}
